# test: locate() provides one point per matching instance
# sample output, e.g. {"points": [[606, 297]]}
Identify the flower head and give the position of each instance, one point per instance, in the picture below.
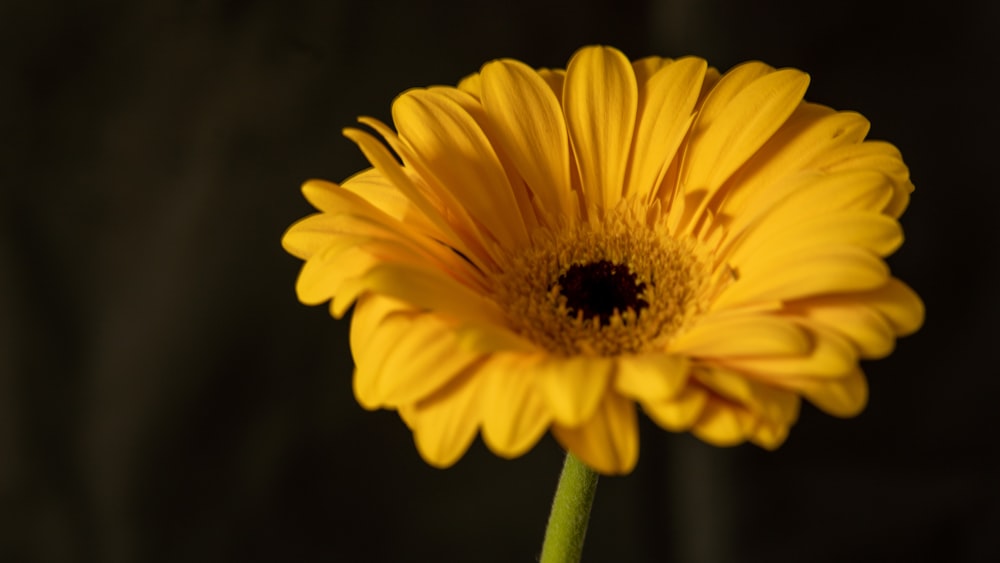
{"points": [[550, 250]]}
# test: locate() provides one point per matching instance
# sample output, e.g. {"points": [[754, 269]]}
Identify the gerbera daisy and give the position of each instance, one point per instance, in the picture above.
{"points": [[550, 250]]}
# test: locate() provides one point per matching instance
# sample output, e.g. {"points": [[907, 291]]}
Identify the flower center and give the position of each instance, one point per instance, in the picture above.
{"points": [[618, 284], [600, 289]]}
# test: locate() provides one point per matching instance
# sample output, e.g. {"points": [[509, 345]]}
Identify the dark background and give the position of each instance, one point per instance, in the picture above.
{"points": [[164, 397]]}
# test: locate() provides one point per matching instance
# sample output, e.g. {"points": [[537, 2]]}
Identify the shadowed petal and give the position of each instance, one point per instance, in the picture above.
{"points": [[515, 416], [609, 441], [599, 99], [530, 128]]}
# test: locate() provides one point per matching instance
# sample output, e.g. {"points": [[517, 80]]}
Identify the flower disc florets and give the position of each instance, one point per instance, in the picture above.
{"points": [[613, 285]]}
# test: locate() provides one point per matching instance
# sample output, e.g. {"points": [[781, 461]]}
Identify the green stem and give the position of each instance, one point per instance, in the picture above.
{"points": [[570, 513]]}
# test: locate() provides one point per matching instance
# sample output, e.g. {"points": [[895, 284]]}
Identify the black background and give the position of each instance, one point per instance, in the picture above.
{"points": [[163, 396]]}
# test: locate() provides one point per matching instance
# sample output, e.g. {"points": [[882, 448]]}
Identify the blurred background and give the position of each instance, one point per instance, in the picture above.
{"points": [[164, 397]]}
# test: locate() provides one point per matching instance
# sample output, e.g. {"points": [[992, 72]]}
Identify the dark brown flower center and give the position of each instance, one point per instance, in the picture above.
{"points": [[600, 288]]}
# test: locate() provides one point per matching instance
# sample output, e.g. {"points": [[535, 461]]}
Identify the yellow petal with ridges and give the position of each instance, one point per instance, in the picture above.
{"points": [[809, 195], [646, 67], [678, 413], [573, 386], [900, 305], [774, 404], [720, 424], [445, 424], [665, 112], [811, 132], [832, 356], [530, 129], [718, 91], [368, 315], [555, 78], [369, 355], [747, 122], [522, 196], [871, 231], [486, 338], [472, 85], [369, 339], [609, 441], [421, 358], [652, 376], [830, 269], [379, 156], [308, 236], [426, 289], [323, 195], [338, 270], [324, 274], [716, 336], [374, 188], [600, 99], [514, 414], [868, 330], [844, 397], [460, 157], [769, 435], [874, 155]]}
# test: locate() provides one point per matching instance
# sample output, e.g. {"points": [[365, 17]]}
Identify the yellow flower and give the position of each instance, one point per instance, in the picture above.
{"points": [[553, 249]]}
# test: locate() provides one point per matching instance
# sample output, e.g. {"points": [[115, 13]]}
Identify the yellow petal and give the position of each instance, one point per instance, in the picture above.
{"points": [[874, 155], [609, 441], [831, 269], [869, 331], [665, 112], [307, 236], [424, 288], [900, 305], [646, 67], [324, 274], [472, 85], [871, 231], [741, 335], [832, 356], [374, 188], [599, 100], [651, 376], [769, 435], [383, 161], [348, 266], [483, 338], [770, 402], [721, 424], [514, 414], [812, 132], [445, 424], [529, 125], [457, 153], [747, 122], [555, 78], [420, 357], [573, 386], [844, 397], [678, 413], [808, 195], [719, 92], [322, 194], [369, 315]]}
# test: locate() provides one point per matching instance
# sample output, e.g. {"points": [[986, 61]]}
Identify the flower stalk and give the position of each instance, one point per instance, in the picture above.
{"points": [[570, 514]]}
